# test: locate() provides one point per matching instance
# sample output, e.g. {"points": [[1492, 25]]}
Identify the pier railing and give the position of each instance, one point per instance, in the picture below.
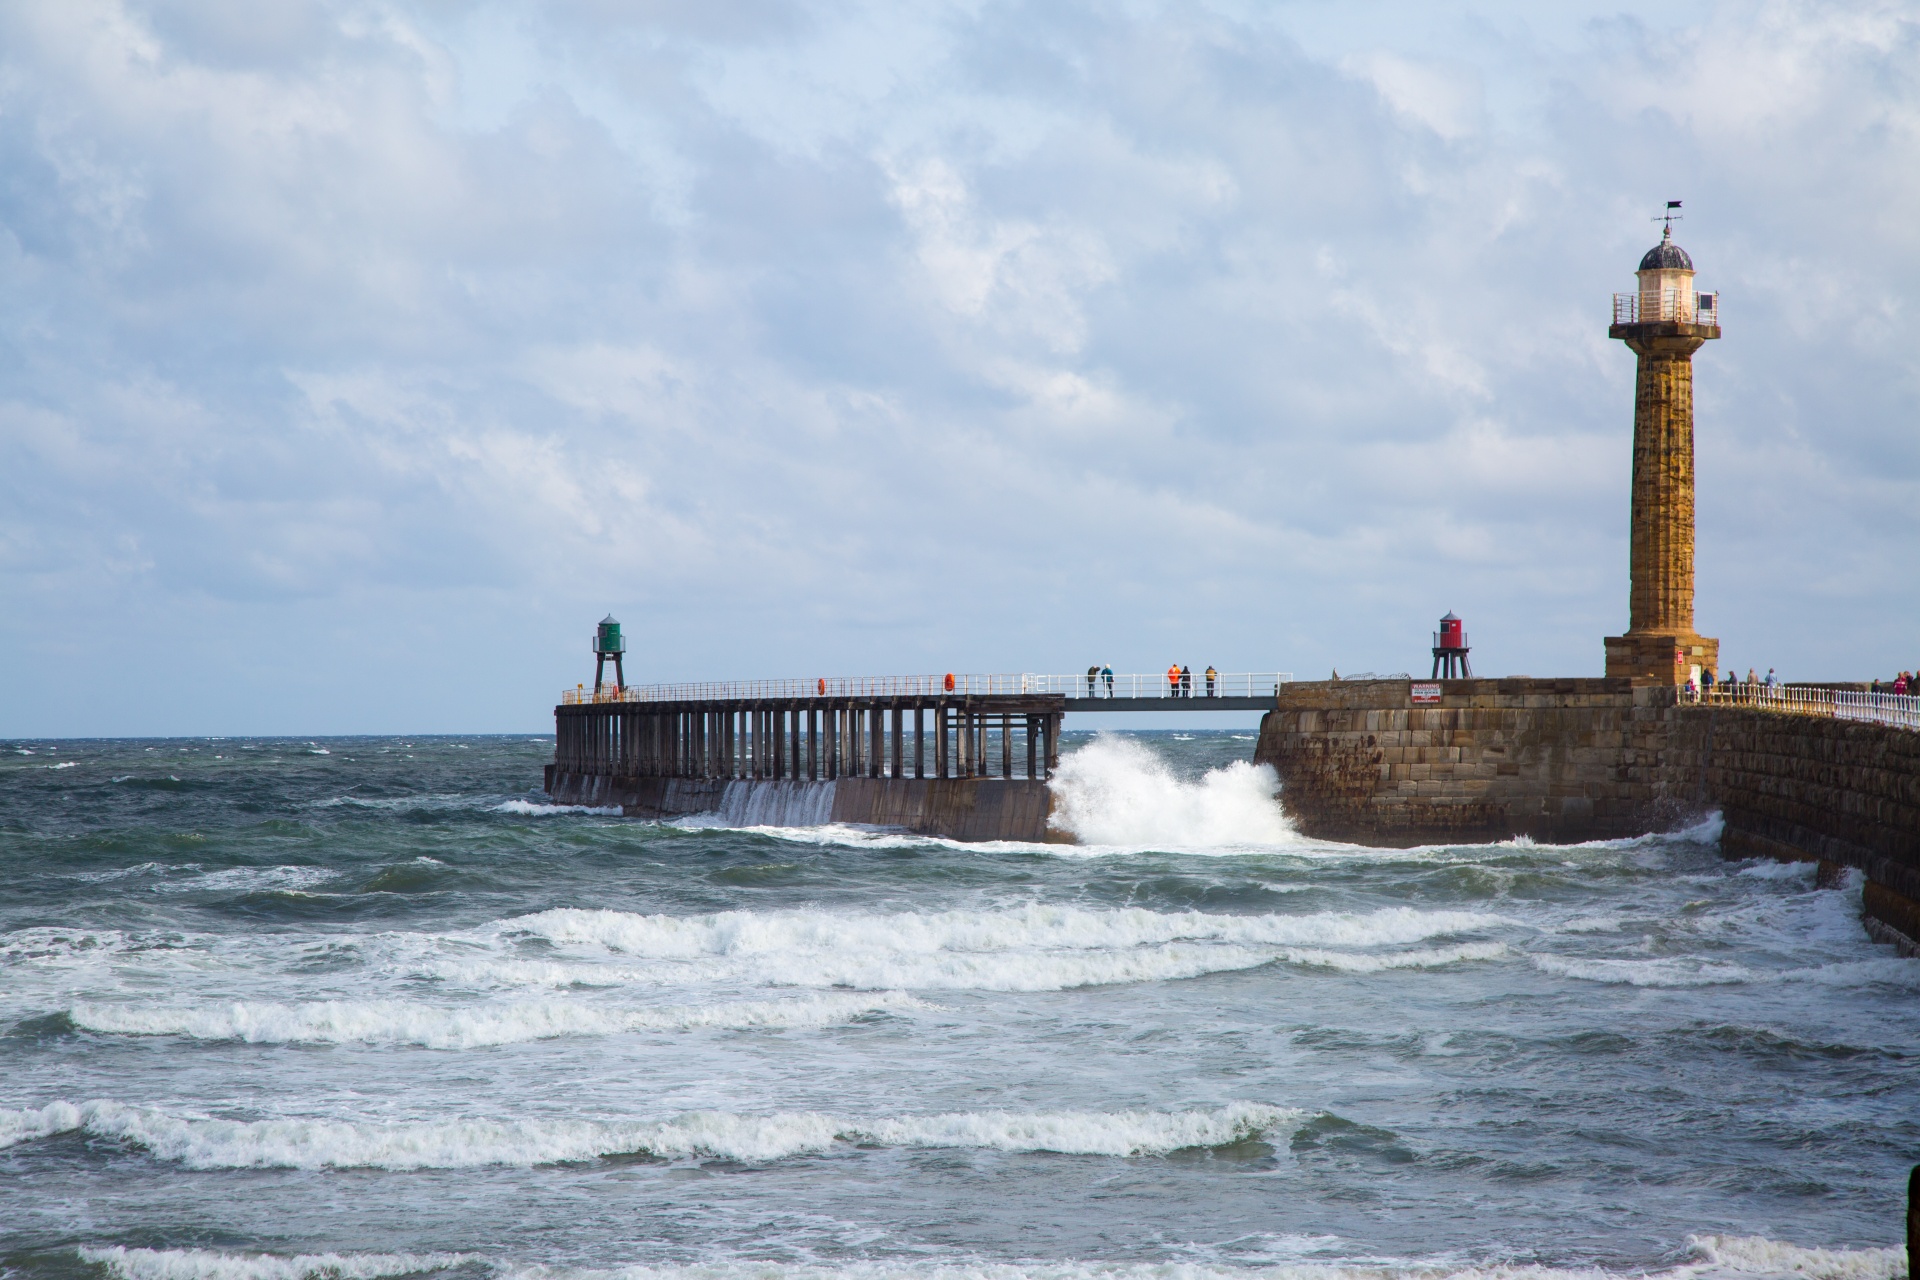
{"points": [[1899, 710], [1242, 684]]}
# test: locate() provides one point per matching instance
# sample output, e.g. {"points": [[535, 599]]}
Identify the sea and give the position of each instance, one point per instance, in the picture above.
{"points": [[277, 1009]]}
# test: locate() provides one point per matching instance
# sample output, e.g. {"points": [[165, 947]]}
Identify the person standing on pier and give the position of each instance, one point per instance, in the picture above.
{"points": [[1212, 675], [1173, 681], [1106, 673], [1093, 674], [1186, 682]]}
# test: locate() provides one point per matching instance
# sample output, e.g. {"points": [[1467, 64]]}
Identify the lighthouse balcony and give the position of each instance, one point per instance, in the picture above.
{"points": [[1668, 307]]}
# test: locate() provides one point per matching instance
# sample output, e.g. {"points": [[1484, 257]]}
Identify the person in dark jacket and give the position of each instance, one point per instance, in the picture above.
{"points": [[1186, 682]]}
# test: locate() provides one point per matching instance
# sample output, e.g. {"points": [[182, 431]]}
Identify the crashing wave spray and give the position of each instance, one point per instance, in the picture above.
{"points": [[1113, 791]]}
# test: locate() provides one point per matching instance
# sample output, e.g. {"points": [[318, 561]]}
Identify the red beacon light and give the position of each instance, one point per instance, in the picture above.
{"points": [[1450, 650]]}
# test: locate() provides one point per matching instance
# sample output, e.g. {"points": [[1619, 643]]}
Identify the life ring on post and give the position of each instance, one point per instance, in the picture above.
{"points": [[823, 686], [949, 682]]}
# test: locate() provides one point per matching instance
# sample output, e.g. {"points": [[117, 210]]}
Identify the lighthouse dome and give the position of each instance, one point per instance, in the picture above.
{"points": [[1666, 256]]}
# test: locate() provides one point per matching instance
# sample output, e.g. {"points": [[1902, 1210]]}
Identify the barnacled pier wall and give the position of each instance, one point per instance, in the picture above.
{"points": [[1589, 759]]}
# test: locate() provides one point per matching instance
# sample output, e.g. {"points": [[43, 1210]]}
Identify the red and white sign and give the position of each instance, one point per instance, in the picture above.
{"points": [[1426, 693]]}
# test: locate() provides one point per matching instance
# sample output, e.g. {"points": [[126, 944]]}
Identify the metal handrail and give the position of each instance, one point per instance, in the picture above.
{"points": [[1902, 711], [1131, 685], [1680, 308]]}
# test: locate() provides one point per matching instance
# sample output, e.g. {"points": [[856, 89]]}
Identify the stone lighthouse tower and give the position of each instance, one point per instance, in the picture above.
{"points": [[1663, 322]]}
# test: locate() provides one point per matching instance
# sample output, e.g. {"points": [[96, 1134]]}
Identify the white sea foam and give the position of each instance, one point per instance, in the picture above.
{"points": [[1695, 971], [1113, 791], [407, 1022], [204, 1264], [205, 1143]]}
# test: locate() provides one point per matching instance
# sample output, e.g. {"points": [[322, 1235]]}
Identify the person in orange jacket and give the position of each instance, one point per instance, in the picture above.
{"points": [[1173, 681]]}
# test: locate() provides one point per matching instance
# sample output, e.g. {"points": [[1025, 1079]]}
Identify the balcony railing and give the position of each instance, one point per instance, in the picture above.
{"points": [[1669, 307]]}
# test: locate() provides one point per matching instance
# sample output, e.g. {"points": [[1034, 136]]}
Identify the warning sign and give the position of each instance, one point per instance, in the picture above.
{"points": [[1426, 693]]}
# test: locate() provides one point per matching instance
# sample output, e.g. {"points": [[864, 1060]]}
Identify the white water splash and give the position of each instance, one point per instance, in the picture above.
{"points": [[1113, 791]]}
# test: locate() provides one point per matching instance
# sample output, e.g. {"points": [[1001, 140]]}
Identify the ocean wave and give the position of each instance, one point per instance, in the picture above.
{"points": [[1694, 971], [1374, 962], [1029, 948], [206, 1143], [205, 1264], [433, 1027], [952, 971], [1026, 928], [1713, 1256]]}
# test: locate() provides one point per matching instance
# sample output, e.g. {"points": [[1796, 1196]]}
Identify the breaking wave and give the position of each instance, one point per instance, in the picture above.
{"points": [[204, 1264], [206, 1143], [1113, 791], [1031, 948], [1712, 1256], [404, 1022], [1692, 971]]}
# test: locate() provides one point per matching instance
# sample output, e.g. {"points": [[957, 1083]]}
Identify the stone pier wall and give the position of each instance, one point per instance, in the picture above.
{"points": [[1584, 759]]}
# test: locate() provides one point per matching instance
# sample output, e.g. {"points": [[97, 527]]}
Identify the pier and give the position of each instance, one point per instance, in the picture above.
{"points": [[948, 726], [907, 751]]}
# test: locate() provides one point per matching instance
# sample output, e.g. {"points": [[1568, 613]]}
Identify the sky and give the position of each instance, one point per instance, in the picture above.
{"points": [[357, 358]]}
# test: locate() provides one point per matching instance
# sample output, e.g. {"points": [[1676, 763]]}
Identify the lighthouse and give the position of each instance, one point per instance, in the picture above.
{"points": [[1663, 322]]}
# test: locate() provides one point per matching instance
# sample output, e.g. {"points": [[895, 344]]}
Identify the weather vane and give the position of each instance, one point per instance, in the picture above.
{"points": [[1669, 218]]}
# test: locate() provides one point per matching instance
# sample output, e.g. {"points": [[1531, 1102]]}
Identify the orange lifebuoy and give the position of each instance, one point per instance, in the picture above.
{"points": [[949, 682], [823, 686]]}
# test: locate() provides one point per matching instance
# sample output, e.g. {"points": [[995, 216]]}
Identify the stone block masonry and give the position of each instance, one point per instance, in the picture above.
{"points": [[1586, 759]]}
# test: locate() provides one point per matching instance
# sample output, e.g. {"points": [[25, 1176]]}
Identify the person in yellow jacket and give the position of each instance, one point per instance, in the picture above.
{"points": [[1212, 675]]}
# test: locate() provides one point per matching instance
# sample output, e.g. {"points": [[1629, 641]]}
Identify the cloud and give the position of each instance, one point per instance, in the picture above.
{"points": [[957, 336]]}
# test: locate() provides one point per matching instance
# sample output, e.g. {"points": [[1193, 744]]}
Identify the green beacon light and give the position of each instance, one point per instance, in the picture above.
{"points": [[608, 643]]}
